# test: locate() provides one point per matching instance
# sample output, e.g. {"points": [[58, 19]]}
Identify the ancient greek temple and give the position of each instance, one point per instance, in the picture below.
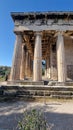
{"points": [[44, 36]]}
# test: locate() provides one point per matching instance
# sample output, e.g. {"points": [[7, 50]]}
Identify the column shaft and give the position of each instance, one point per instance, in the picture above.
{"points": [[26, 66], [15, 70], [48, 67], [29, 66], [37, 68], [61, 59], [22, 68]]}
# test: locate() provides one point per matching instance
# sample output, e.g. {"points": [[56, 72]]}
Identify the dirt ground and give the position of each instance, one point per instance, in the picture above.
{"points": [[59, 114]]}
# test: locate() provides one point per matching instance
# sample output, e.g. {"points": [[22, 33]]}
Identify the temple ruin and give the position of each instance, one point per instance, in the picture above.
{"points": [[44, 36]]}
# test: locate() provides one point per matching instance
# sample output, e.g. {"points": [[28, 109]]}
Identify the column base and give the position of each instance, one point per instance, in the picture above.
{"points": [[25, 82]]}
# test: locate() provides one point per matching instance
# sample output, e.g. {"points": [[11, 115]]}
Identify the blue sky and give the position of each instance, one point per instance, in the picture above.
{"points": [[7, 37]]}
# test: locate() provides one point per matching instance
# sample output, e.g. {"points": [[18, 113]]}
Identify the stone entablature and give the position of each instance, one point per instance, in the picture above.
{"points": [[43, 21]]}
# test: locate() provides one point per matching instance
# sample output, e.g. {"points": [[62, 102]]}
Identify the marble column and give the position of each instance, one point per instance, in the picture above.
{"points": [[26, 65], [37, 68], [22, 68], [15, 70], [29, 66], [48, 67], [61, 66]]}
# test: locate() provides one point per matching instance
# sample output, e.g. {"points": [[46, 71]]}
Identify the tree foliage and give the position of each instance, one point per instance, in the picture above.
{"points": [[4, 70]]}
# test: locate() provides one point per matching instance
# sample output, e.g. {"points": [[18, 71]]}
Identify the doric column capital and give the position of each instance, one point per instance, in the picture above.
{"points": [[38, 33], [60, 33], [18, 32]]}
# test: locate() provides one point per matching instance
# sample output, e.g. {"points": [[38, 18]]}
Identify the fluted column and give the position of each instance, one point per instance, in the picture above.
{"points": [[61, 65], [15, 70], [29, 66], [22, 68], [48, 67], [26, 65], [37, 68]]}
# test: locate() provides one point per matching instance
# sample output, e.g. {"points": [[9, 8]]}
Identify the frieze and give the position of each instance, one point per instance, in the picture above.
{"points": [[41, 22]]}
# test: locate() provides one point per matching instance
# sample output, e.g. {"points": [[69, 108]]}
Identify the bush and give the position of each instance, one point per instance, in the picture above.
{"points": [[4, 71], [33, 120]]}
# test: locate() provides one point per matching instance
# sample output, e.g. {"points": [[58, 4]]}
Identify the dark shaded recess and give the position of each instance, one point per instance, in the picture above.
{"points": [[71, 16], [54, 16], [54, 48], [25, 48], [20, 17], [62, 16], [31, 40], [31, 17], [40, 16]]}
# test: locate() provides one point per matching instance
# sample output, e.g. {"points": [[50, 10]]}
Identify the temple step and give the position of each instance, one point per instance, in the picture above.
{"points": [[36, 91], [25, 82]]}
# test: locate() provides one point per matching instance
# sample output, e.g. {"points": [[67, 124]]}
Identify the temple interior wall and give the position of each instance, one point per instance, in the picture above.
{"points": [[53, 62], [69, 57]]}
